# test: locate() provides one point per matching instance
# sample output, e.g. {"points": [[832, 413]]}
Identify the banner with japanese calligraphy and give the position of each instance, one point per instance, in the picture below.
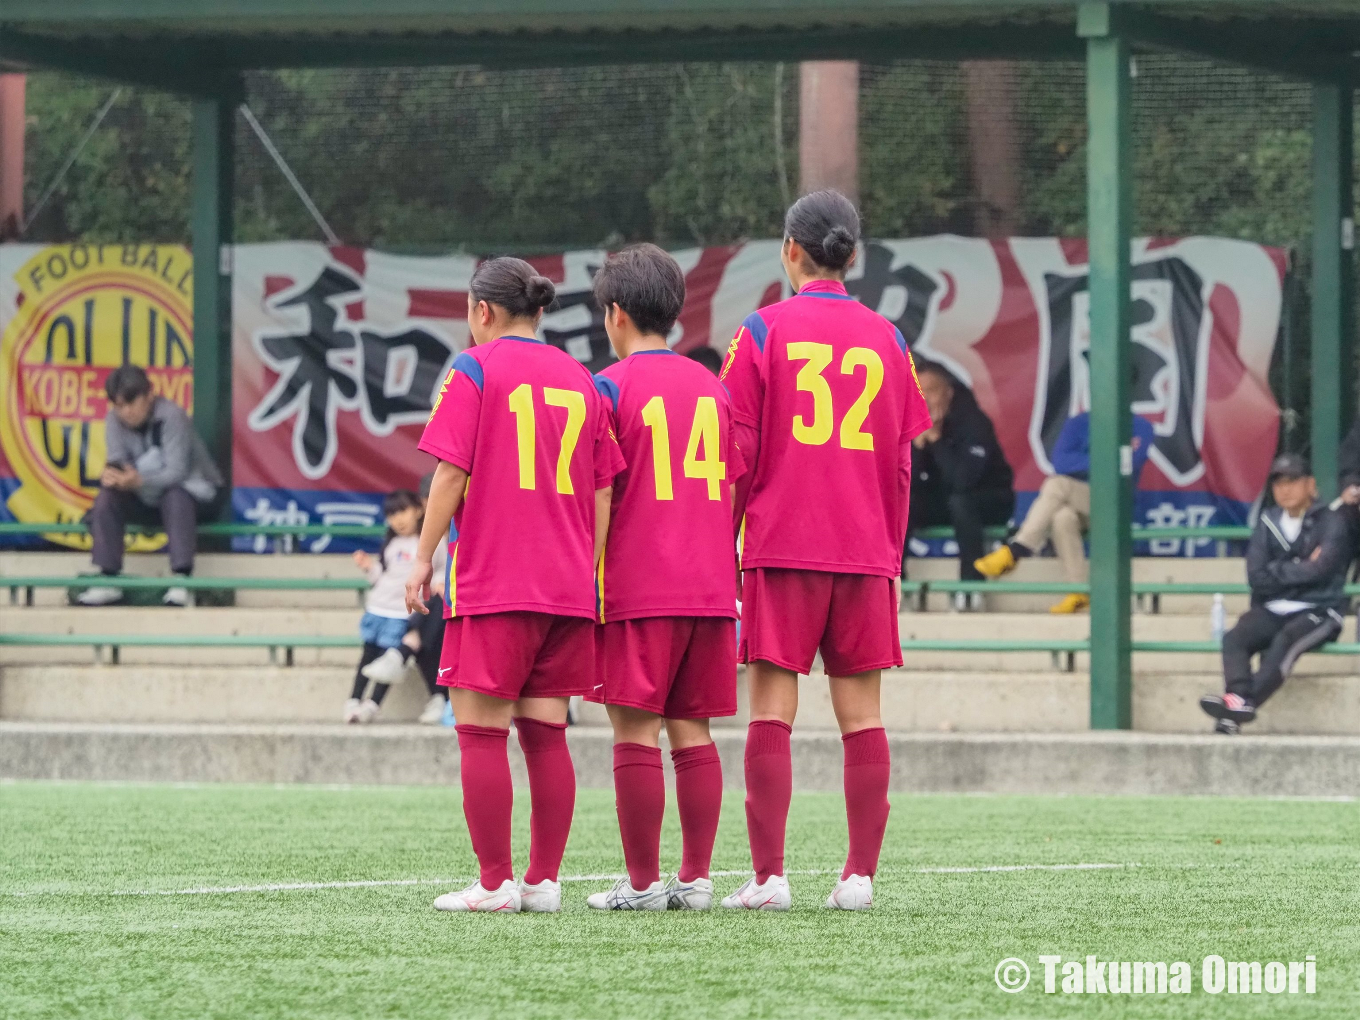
{"points": [[339, 353]]}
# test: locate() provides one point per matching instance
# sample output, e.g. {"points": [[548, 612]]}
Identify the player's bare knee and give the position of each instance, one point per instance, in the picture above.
{"points": [[682, 733], [634, 726], [548, 710]]}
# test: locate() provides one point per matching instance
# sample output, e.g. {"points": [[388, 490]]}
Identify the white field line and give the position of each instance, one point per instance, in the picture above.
{"points": [[221, 890]]}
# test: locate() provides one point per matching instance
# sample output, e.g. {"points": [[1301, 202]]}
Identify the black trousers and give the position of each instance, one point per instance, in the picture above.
{"points": [[1280, 640], [431, 630], [968, 513]]}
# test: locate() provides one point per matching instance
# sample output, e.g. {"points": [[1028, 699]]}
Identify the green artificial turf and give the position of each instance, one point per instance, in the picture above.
{"points": [[1247, 879]]}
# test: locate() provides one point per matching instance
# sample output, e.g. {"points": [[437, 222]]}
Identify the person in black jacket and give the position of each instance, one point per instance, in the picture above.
{"points": [[959, 476], [1296, 566], [1348, 471]]}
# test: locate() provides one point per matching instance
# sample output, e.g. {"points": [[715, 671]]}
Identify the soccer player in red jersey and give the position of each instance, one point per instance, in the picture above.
{"points": [[521, 495], [667, 646], [826, 405]]}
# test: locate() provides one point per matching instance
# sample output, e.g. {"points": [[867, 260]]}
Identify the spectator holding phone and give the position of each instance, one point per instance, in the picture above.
{"points": [[157, 472]]}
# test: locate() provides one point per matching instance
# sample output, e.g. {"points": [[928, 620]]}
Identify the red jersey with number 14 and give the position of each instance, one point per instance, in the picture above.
{"points": [[830, 387], [671, 550], [524, 420]]}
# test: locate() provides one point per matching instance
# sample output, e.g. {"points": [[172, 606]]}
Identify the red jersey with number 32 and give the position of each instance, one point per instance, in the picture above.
{"points": [[671, 548], [830, 387], [524, 420]]}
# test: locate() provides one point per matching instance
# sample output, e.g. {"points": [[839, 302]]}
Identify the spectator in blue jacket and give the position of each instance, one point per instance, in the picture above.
{"points": [[1062, 510]]}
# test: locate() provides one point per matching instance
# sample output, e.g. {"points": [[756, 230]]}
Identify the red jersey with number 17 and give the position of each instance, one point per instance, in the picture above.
{"points": [[671, 550], [524, 420], [830, 388]]}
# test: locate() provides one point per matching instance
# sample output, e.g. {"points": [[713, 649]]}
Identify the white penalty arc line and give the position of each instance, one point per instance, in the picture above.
{"points": [[223, 890]]}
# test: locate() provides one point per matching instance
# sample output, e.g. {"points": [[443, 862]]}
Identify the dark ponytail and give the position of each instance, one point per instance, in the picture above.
{"points": [[826, 226], [514, 285]]}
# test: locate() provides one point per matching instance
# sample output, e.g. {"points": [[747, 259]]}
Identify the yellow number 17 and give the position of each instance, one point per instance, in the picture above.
{"points": [[816, 357], [522, 407]]}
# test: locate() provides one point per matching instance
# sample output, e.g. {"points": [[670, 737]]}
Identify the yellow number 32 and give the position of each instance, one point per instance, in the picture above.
{"points": [[816, 358]]}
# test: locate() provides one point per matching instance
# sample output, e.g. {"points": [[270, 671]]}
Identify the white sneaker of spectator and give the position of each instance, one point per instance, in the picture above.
{"points": [[433, 713], [100, 595], [368, 711], [352, 710], [387, 668], [176, 596]]}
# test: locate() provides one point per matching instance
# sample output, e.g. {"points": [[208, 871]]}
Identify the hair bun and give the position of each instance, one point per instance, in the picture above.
{"points": [[540, 291], [839, 245]]}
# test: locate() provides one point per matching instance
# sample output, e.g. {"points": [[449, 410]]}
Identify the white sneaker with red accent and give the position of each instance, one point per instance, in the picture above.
{"points": [[475, 899], [772, 894], [853, 893], [543, 898]]}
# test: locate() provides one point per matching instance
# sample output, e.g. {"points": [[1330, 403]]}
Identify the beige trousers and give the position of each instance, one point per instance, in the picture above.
{"points": [[1062, 512]]}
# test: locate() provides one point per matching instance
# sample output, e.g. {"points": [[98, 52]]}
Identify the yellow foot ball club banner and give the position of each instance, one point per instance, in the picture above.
{"points": [[71, 315]]}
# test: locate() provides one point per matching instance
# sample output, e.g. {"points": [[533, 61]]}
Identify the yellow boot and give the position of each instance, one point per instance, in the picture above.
{"points": [[997, 562], [1073, 603]]}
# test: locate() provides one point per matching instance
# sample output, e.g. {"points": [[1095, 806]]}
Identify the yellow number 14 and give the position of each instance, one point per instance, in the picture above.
{"points": [[704, 436]]}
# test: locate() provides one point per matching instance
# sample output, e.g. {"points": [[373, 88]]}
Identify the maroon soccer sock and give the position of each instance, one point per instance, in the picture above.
{"points": [[487, 799], [552, 795], [867, 764], [640, 797], [769, 788], [698, 791]]}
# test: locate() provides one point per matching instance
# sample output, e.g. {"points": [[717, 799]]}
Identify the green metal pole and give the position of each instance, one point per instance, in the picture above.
{"points": [[211, 222], [1109, 216], [1333, 372]]}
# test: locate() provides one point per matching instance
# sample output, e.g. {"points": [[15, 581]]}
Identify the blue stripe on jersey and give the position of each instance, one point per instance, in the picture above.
{"points": [[608, 389], [758, 329], [826, 294], [901, 340], [470, 367]]}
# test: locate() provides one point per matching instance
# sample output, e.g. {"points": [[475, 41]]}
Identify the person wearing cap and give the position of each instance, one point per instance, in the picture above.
{"points": [[1296, 567]]}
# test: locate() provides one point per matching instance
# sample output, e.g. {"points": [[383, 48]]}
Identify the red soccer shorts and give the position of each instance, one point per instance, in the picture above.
{"points": [[680, 667], [519, 655], [787, 615]]}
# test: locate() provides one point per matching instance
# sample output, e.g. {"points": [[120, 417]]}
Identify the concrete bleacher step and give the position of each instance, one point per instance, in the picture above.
{"points": [[1152, 569], [1041, 763], [937, 700], [308, 565]]}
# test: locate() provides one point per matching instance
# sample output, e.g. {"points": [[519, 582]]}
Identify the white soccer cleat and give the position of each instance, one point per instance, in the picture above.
{"points": [[176, 596], [624, 897], [433, 712], [772, 895], [100, 595], [544, 898], [853, 893], [352, 710], [475, 899], [368, 711], [387, 668], [696, 894]]}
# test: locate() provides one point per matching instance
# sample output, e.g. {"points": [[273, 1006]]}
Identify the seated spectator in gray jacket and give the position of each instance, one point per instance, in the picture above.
{"points": [[157, 472], [1296, 566]]}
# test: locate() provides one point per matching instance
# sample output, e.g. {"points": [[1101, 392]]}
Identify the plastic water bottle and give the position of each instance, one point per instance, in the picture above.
{"points": [[1217, 619]]}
